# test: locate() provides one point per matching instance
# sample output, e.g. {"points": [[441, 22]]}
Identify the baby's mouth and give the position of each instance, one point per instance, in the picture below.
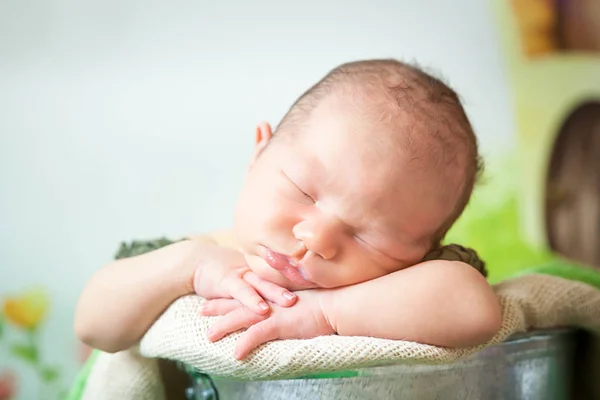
{"points": [[286, 266]]}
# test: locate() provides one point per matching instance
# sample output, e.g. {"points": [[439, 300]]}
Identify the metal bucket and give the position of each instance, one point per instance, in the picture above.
{"points": [[537, 365]]}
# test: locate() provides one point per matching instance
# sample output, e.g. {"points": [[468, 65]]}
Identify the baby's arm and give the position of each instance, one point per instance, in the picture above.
{"points": [[125, 297], [442, 303], [122, 300], [439, 302]]}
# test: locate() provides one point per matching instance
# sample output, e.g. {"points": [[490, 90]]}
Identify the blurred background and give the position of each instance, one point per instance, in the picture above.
{"points": [[124, 120]]}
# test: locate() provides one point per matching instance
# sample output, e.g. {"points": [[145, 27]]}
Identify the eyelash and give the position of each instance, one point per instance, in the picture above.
{"points": [[297, 188], [304, 193], [360, 240]]}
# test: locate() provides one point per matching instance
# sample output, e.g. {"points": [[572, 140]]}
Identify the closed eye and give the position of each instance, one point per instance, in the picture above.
{"points": [[298, 188], [374, 249]]}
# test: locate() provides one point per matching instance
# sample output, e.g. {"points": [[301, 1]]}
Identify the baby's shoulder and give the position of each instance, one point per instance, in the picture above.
{"points": [[223, 237]]}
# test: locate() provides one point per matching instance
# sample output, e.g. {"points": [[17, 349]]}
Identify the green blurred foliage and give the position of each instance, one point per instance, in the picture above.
{"points": [[491, 224]]}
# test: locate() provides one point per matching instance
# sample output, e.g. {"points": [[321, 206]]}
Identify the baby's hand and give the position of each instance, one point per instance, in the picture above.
{"points": [[220, 272], [303, 321]]}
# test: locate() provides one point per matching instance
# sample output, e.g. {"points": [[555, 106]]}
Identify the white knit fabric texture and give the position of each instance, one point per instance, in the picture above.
{"points": [[528, 302], [125, 375]]}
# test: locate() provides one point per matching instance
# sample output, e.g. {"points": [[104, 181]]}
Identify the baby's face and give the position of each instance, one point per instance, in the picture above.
{"points": [[331, 207]]}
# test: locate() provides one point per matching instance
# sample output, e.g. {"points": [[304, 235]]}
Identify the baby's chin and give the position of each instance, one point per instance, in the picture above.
{"points": [[260, 267]]}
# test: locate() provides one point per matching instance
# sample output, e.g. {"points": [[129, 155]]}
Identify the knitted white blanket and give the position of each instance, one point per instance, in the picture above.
{"points": [[528, 302]]}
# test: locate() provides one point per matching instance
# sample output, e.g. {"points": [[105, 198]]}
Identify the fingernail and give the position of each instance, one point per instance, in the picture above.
{"points": [[289, 295], [263, 306], [209, 331]]}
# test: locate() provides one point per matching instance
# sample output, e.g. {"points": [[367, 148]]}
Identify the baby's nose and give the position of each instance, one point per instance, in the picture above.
{"points": [[320, 237], [299, 251]]}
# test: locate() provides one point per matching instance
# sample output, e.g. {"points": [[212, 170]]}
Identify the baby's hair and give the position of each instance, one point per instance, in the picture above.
{"points": [[405, 88]]}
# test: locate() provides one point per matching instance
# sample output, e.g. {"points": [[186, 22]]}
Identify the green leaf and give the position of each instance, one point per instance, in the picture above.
{"points": [[50, 373], [25, 352]]}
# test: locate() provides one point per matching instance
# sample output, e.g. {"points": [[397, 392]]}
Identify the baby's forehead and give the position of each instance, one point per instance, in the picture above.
{"points": [[347, 135], [368, 129]]}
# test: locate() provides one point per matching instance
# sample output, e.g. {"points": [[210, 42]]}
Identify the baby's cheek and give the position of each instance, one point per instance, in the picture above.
{"points": [[280, 215], [256, 207], [335, 274], [361, 267]]}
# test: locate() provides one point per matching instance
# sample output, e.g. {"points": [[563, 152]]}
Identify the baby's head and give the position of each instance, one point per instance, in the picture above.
{"points": [[364, 175]]}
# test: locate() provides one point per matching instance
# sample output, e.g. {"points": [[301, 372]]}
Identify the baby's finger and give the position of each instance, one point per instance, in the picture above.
{"points": [[235, 320], [241, 290], [256, 335], [271, 291], [219, 307]]}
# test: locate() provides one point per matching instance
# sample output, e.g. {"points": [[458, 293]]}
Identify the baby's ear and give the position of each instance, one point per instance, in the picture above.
{"points": [[262, 139]]}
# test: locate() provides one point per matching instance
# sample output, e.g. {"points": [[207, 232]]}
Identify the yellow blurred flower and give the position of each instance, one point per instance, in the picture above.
{"points": [[28, 309]]}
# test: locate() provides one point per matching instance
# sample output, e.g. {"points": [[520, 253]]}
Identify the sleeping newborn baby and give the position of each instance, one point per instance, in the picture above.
{"points": [[362, 179]]}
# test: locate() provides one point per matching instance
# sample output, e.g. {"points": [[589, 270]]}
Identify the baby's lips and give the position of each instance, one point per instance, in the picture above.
{"points": [[283, 264], [277, 261], [304, 275]]}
